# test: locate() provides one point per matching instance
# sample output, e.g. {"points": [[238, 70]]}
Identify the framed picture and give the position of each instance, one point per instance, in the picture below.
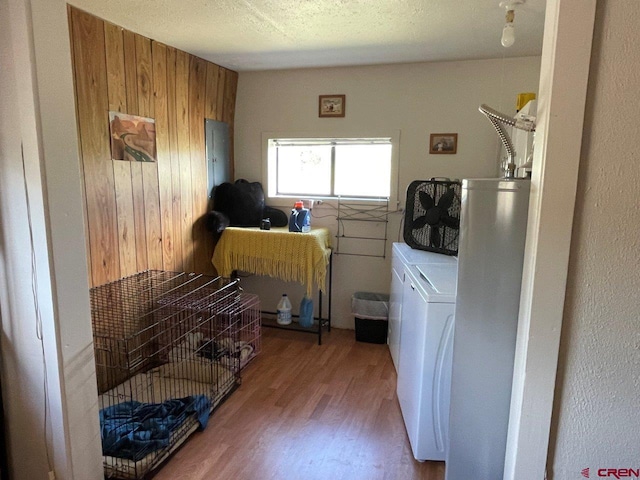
{"points": [[133, 138], [443, 143], [331, 106]]}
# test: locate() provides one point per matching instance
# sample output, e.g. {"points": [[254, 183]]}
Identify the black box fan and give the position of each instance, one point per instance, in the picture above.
{"points": [[432, 215]]}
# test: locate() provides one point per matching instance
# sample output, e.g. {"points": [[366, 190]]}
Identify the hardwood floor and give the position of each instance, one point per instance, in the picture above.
{"points": [[307, 412]]}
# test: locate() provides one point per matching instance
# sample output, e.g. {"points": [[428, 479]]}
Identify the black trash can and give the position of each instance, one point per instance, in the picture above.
{"points": [[371, 312]]}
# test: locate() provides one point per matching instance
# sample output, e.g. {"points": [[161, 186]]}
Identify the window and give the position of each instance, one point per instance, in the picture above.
{"points": [[359, 168]]}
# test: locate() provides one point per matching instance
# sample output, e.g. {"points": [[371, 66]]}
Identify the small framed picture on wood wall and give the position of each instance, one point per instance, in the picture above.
{"points": [[446, 143], [331, 106]]}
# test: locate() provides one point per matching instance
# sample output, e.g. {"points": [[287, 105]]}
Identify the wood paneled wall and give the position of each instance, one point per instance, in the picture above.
{"points": [[143, 216]]}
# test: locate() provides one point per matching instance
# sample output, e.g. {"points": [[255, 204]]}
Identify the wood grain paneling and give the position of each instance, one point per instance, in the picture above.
{"points": [[144, 73], [220, 94], [116, 82], [131, 71], [197, 89], [182, 105], [229, 95], [159, 53], [211, 106], [117, 91], [229, 109], [93, 123], [131, 77], [150, 182], [176, 200], [145, 215]]}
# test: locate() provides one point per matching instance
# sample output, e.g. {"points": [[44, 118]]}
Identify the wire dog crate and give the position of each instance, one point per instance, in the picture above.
{"points": [[168, 349], [246, 316]]}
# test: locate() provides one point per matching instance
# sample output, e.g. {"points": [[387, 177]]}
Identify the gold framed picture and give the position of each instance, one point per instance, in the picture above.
{"points": [[443, 143], [331, 106]]}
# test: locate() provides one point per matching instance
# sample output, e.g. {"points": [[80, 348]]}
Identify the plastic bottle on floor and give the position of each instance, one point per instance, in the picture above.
{"points": [[284, 310], [306, 312]]}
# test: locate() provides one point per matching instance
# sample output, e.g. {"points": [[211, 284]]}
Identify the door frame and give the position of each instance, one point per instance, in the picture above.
{"points": [[564, 74]]}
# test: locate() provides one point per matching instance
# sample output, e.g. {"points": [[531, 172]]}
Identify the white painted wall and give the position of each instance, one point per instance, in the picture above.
{"points": [[37, 105], [22, 368], [596, 420], [415, 99]]}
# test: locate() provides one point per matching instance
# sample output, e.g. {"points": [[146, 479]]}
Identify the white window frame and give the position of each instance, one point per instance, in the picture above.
{"points": [[269, 175]]}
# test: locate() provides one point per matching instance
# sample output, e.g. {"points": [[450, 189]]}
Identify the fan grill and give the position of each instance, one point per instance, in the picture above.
{"points": [[432, 215]]}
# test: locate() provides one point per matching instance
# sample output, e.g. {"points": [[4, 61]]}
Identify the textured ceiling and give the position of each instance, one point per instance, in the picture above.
{"points": [[276, 34]]}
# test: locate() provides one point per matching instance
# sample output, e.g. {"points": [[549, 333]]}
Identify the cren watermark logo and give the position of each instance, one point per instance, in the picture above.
{"points": [[613, 473]]}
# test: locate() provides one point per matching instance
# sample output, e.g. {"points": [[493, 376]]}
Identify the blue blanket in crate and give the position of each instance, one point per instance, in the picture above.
{"points": [[132, 430]]}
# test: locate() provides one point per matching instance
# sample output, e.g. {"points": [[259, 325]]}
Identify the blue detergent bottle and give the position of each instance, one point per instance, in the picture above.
{"points": [[300, 220], [306, 312]]}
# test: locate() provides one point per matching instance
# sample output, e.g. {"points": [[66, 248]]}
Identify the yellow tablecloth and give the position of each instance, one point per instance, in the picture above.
{"points": [[278, 253]]}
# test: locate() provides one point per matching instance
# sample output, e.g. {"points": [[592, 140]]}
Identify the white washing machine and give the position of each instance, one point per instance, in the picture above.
{"points": [[424, 373], [402, 257]]}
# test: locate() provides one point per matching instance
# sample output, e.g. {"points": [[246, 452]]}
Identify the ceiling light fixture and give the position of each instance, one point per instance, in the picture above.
{"points": [[508, 31]]}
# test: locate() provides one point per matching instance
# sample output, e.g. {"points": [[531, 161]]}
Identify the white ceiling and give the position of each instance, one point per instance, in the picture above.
{"points": [[276, 34]]}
